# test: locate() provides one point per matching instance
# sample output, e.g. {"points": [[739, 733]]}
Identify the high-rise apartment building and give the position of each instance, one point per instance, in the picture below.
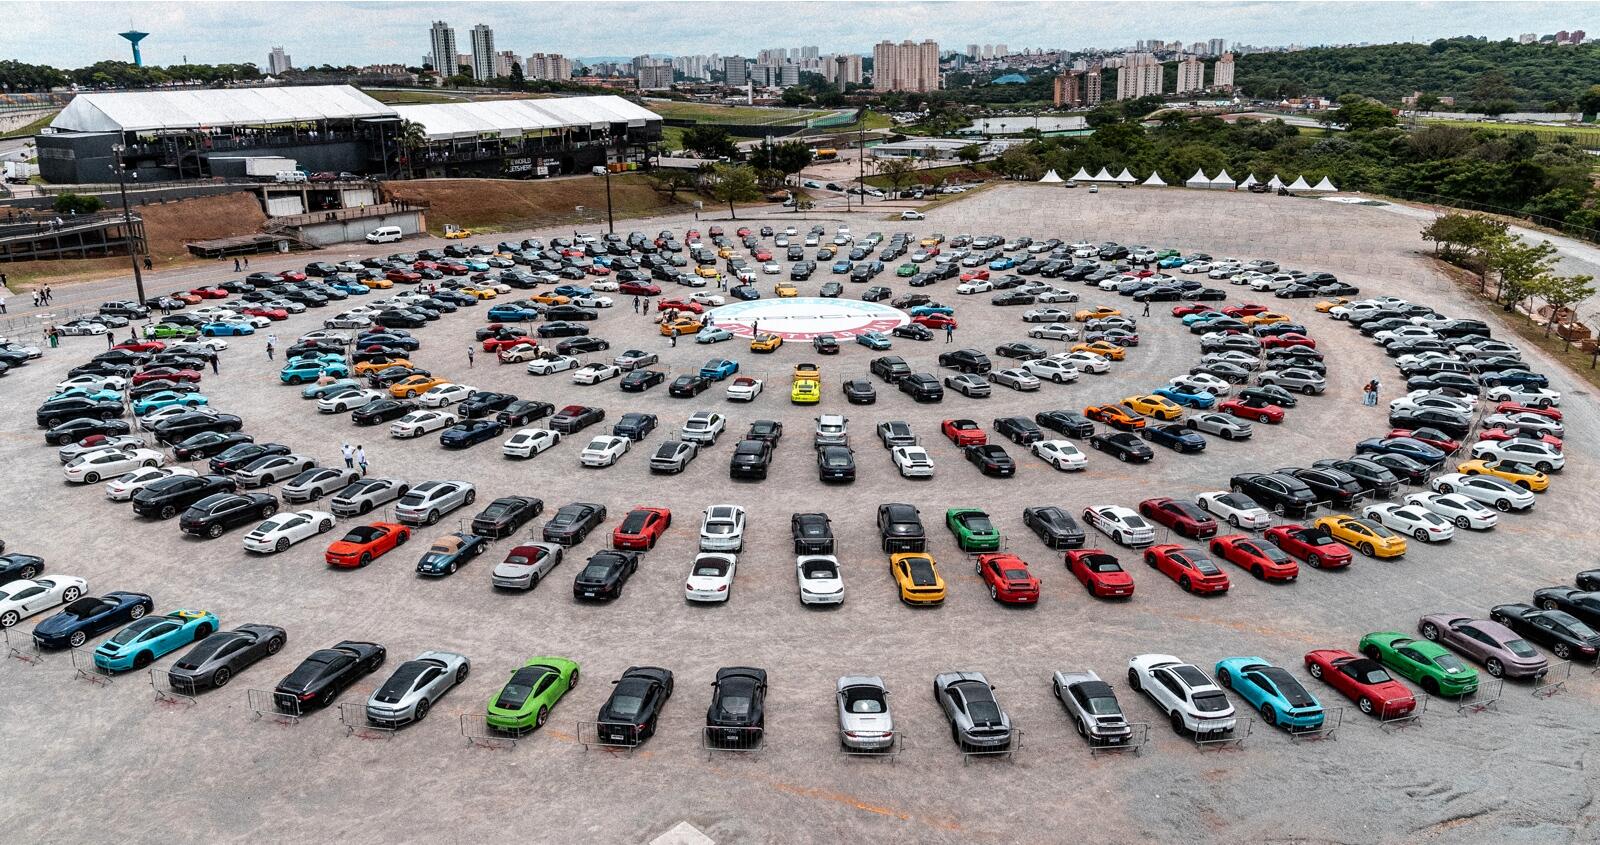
{"points": [[1140, 76], [278, 61], [788, 74], [654, 77], [443, 40], [1222, 73], [810, 52], [1191, 75], [907, 66], [1000, 51], [1078, 88], [1091, 86], [734, 72], [846, 64], [482, 52], [549, 67], [504, 61], [1216, 47], [972, 51]]}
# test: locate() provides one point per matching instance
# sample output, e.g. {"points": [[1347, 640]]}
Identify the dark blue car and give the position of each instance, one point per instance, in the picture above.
{"points": [[1175, 437], [513, 313], [19, 567], [1411, 448], [1520, 378], [451, 552], [89, 617], [470, 433]]}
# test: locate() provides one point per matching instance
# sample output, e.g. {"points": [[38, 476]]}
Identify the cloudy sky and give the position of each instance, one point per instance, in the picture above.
{"points": [[76, 34]]}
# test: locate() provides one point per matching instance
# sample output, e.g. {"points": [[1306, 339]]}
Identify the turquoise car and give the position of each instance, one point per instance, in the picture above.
{"points": [[226, 329], [1171, 262], [930, 310], [317, 391], [1202, 317], [101, 395], [349, 288], [311, 369], [1003, 263], [164, 398], [1277, 695], [1199, 399], [150, 637], [874, 340], [483, 266]]}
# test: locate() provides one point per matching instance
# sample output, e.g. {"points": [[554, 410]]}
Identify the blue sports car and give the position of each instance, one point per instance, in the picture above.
{"points": [[1171, 262], [1175, 437], [226, 329], [163, 398], [718, 369], [146, 639], [513, 313], [1202, 317], [349, 288], [1272, 691], [1199, 399], [573, 290], [1414, 449], [302, 371], [89, 617], [874, 340], [1002, 263], [477, 266], [930, 310], [91, 395]]}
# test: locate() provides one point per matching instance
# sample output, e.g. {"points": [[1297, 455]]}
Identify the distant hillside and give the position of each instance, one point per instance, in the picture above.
{"points": [[1531, 76]]}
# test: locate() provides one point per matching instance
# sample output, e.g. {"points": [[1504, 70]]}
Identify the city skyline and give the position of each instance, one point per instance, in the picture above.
{"points": [[214, 32]]}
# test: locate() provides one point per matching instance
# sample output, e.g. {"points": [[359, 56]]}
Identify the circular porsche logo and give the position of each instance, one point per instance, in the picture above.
{"points": [[803, 318]]}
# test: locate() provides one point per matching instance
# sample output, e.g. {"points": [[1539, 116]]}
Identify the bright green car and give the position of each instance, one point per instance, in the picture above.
{"points": [[974, 532], [1438, 671], [162, 331], [526, 700], [906, 269]]}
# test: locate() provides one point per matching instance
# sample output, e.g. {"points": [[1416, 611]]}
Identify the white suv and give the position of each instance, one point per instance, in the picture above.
{"points": [[1191, 700]]}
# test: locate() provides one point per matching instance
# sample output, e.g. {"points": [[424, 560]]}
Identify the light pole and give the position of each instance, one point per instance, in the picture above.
{"points": [[611, 223], [127, 221]]}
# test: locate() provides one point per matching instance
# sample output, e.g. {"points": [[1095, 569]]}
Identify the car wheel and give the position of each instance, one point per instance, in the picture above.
{"points": [[1364, 703], [1269, 715], [1233, 519], [221, 677], [137, 612], [366, 558], [143, 659], [214, 531], [433, 516], [1430, 631], [281, 545], [10, 618], [539, 720], [1562, 650], [1494, 667], [1133, 681], [1502, 505], [92, 478], [1366, 549], [1177, 723], [1316, 670]]}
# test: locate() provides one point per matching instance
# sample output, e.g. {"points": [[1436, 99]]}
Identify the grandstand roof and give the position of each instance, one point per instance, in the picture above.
{"points": [[151, 111]]}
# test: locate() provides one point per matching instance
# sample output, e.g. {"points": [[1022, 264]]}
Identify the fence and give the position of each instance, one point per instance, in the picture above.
{"points": [[353, 715], [1206, 737], [1554, 680], [475, 728], [1480, 700], [167, 692], [714, 738], [610, 736], [1137, 738], [265, 706], [1410, 719], [1008, 752], [84, 668], [28, 652], [890, 752], [1329, 729]]}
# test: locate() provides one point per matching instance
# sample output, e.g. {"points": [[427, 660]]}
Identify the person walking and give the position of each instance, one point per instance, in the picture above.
{"points": [[216, 368], [110, 340], [1370, 393], [2, 304], [949, 333], [361, 460], [235, 265], [636, 304], [272, 343], [674, 337], [147, 264], [247, 262], [1147, 308], [349, 456], [471, 354]]}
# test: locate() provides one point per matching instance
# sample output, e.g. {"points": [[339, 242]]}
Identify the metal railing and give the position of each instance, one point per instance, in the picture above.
{"points": [[1410, 719], [715, 739], [84, 668], [28, 653], [264, 705], [353, 715], [475, 728], [1217, 740], [1008, 752], [167, 692], [1137, 738], [605, 735], [1550, 684], [1332, 720], [1479, 700]]}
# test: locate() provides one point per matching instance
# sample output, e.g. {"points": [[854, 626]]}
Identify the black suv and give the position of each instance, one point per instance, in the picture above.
{"points": [[966, 361], [1373, 477], [751, 458], [890, 368], [1336, 487], [900, 528], [922, 387], [218, 512], [168, 497], [1283, 494]]}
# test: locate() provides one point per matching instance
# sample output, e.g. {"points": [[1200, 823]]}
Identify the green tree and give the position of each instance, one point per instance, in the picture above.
{"points": [[1359, 114], [794, 97], [1427, 102], [1561, 291], [1102, 115], [1589, 102], [412, 138], [77, 204], [1492, 87], [671, 181], [734, 183], [970, 153], [710, 142], [898, 170], [1519, 265], [1555, 205]]}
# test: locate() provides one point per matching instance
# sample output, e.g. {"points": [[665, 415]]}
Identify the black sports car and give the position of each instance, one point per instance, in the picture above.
{"points": [[991, 460], [216, 513], [836, 463], [1019, 430], [605, 574], [89, 617], [1070, 423], [737, 715], [1174, 436], [1557, 630], [524, 411], [1054, 526], [635, 426], [859, 391], [575, 418], [74, 430], [581, 345], [1582, 604], [324, 674], [1123, 445], [241, 455], [15, 567], [209, 443], [470, 433], [381, 411], [573, 522], [751, 459], [688, 385], [167, 497], [213, 661], [630, 714], [639, 381], [503, 516]]}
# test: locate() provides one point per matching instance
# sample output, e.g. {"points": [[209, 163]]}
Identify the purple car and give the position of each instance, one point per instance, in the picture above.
{"points": [[1502, 653]]}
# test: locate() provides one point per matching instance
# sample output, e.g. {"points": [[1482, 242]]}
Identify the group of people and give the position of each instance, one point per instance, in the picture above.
{"points": [[41, 297], [355, 457], [237, 268]]}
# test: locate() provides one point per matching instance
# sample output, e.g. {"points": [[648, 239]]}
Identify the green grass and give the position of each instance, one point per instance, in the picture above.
{"points": [[672, 137], [709, 113], [1588, 135], [389, 96], [32, 128]]}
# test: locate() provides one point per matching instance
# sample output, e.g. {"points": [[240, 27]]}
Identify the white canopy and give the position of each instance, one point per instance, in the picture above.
{"points": [[1081, 176], [1275, 183], [152, 111], [1102, 176], [1155, 180], [512, 118], [1199, 180], [1299, 184], [1223, 180], [1249, 179], [1125, 176], [1052, 177], [1325, 185]]}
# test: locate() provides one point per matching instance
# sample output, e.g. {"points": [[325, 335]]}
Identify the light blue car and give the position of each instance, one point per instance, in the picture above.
{"points": [[227, 329], [1278, 696], [350, 288], [1202, 317], [476, 266], [930, 310], [306, 369], [718, 369], [317, 391], [1199, 399], [1171, 262], [151, 637], [1002, 263], [164, 398], [874, 340], [101, 395], [713, 334]]}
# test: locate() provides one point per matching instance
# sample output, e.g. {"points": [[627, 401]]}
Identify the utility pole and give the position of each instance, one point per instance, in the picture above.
{"points": [[861, 158], [611, 223], [127, 221]]}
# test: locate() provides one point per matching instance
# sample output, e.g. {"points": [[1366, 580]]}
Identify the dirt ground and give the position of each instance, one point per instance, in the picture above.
{"points": [[134, 770]]}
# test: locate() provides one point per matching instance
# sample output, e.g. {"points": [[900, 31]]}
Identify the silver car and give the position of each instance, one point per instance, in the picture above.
{"points": [[968, 384], [864, 720], [428, 501], [1222, 425], [1296, 379], [316, 482], [273, 468], [367, 493], [976, 720], [415, 687], [1092, 704], [526, 565], [673, 455]]}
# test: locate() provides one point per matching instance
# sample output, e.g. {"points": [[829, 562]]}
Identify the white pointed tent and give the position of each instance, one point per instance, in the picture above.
{"points": [[1051, 177], [1223, 181], [1249, 179], [1198, 180], [1299, 184], [1081, 176], [1275, 182], [1155, 180], [1102, 176], [1325, 185], [1125, 176]]}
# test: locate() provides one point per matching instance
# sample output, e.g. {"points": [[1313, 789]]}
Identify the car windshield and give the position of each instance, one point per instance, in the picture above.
{"points": [[1450, 663], [977, 523], [1211, 702], [132, 632], [625, 705], [1015, 574], [596, 571], [1239, 502], [364, 534], [921, 570], [983, 712], [819, 570]]}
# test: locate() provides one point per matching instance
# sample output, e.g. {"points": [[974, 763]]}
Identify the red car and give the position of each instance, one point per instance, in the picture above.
{"points": [[1313, 545], [269, 313], [424, 264], [1244, 309], [1262, 560], [762, 254], [1431, 436], [453, 269], [495, 344], [964, 432], [1508, 433], [1519, 408], [1190, 308], [1008, 578], [1193, 571], [1100, 573], [169, 373], [142, 345], [1186, 518], [1286, 340], [742, 231], [981, 274], [209, 293], [599, 270], [1259, 413], [639, 289], [403, 277], [641, 528], [680, 305], [935, 321], [1363, 681], [692, 235], [292, 276], [366, 543]]}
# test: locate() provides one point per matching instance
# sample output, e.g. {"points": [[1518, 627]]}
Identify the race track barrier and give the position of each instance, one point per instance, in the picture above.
{"points": [[1329, 730], [353, 715], [1554, 681], [166, 692], [1229, 740], [476, 730], [84, 668], [604, 735], [1478, 700], [1135, 742], [262, 703], [715, 739], [28, 652], [1409, 720]]}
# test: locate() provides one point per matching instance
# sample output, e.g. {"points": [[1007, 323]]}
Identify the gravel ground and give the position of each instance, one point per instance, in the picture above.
{"points": [[1516, 773]]}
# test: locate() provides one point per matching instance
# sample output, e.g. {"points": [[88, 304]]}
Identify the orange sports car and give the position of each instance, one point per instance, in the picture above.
{"points": [[366, 543], [363, 368], [1102, 347], [1116, 416]]}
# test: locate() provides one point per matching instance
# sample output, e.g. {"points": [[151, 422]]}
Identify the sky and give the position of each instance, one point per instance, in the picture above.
{"points": [[67, 34]]}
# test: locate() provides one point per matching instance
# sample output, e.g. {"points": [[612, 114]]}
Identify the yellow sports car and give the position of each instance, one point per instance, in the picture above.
{"points": [[1096, 313], [412, 386], [765, 343], [1522, 475], [367, 367], [917, 577], [452, 233], [805, 392], [807, 372], [1364, 535], [479, 293], [1159, 407], [379, 283], [684, 325], [1101, 347], [1265, 318], [706, 271], [785, 289], [1327, 305], [725, 252], [550, 299]]}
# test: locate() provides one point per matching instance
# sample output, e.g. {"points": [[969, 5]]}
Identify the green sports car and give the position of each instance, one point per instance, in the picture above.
{"points": [[164, 331], [906, 269], [973, 530], [1438, 671], [526, 700]]}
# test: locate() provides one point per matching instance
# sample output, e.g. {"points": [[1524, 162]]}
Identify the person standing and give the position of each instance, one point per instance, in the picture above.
{"points": [[636, 304], [110, 341], [349, 456], [1147, 308], [949, 332], [215, 366], [235, 265], [361, 460], [2, 304], [674, 337], [471, 354], [272, 343], [1369, 393], [247, 262]]}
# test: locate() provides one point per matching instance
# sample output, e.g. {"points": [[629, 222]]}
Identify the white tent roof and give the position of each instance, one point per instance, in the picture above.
{"points": [[1249, 179], [1155, 180], [1125, 176], [511, 118], [1299, 184], [1325, 185], [1223, 179], [1199, 179], [1081, 176], [1275, 183], [1102, 176], [1052, 177], [146, 111]]}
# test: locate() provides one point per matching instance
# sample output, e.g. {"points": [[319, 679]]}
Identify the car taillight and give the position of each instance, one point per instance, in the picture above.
{"points": [[723, 588], [307, 696]]}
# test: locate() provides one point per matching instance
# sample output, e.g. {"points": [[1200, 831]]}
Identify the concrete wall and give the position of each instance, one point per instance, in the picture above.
{"points": [[347, 231]]}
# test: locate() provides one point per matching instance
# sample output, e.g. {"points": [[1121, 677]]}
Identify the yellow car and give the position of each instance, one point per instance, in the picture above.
{"points": [[785, 289], [453, 232], [479, 293], [807, 372], [805, 392], [684, 325], [706, 271], [367, 367], [932, 240], [1364, 535], [1327, 305], [376, 284], [1096, 313], [918, 578], [725, 252], [413, 386], [765, 343], [1522, 475], [1101, 347], [550, 299], [1159, 407], [1265, 318]]}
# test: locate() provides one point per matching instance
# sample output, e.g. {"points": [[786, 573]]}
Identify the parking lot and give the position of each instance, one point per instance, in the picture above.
{"points": [[1513, 773]]}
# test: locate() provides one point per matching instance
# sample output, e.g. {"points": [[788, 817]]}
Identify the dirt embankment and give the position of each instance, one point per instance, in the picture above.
{"points": [[500, 205]]}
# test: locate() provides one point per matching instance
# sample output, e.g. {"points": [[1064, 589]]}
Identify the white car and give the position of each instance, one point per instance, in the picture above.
{"points": [[281, 530], [1536, 397], [1049, 369], [272, 469], [1404, 332], [912, 215], [709, 299], [1417, 521], [975, 286], [633, 359], [1016, 378], [722, 529], [595, 373], [118, 442], [821, 579], [603, 451], [1237, 509], [21, 599], [94, 467], [347, 320], [1498, 493], [553, 364], [605, 286], [520, 572], [1055, 331], [322, 334], [912, 461], [592, 301], [1085, 362], [703, 427], [744, 388], [122, 489], [201, 345], [1061, 454], [1526, 422], [1464, 512], [418, 423], [93, 383], [348, 400], [1195, 267], [710, 577], [772, 268], [1535, 453], [519, 353], [1121, 524], [527, 442], [1048, 315], [441, 395], [1058, 295], [1192, 702], [1424, 400], [1201, 382]]}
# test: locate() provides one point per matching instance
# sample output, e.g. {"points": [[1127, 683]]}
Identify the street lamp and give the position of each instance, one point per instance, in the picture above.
{"points": [[127, 221], [611, 223]]}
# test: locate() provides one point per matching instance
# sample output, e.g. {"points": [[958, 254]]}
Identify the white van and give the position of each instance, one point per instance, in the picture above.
{"points": [[384, 235]]}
